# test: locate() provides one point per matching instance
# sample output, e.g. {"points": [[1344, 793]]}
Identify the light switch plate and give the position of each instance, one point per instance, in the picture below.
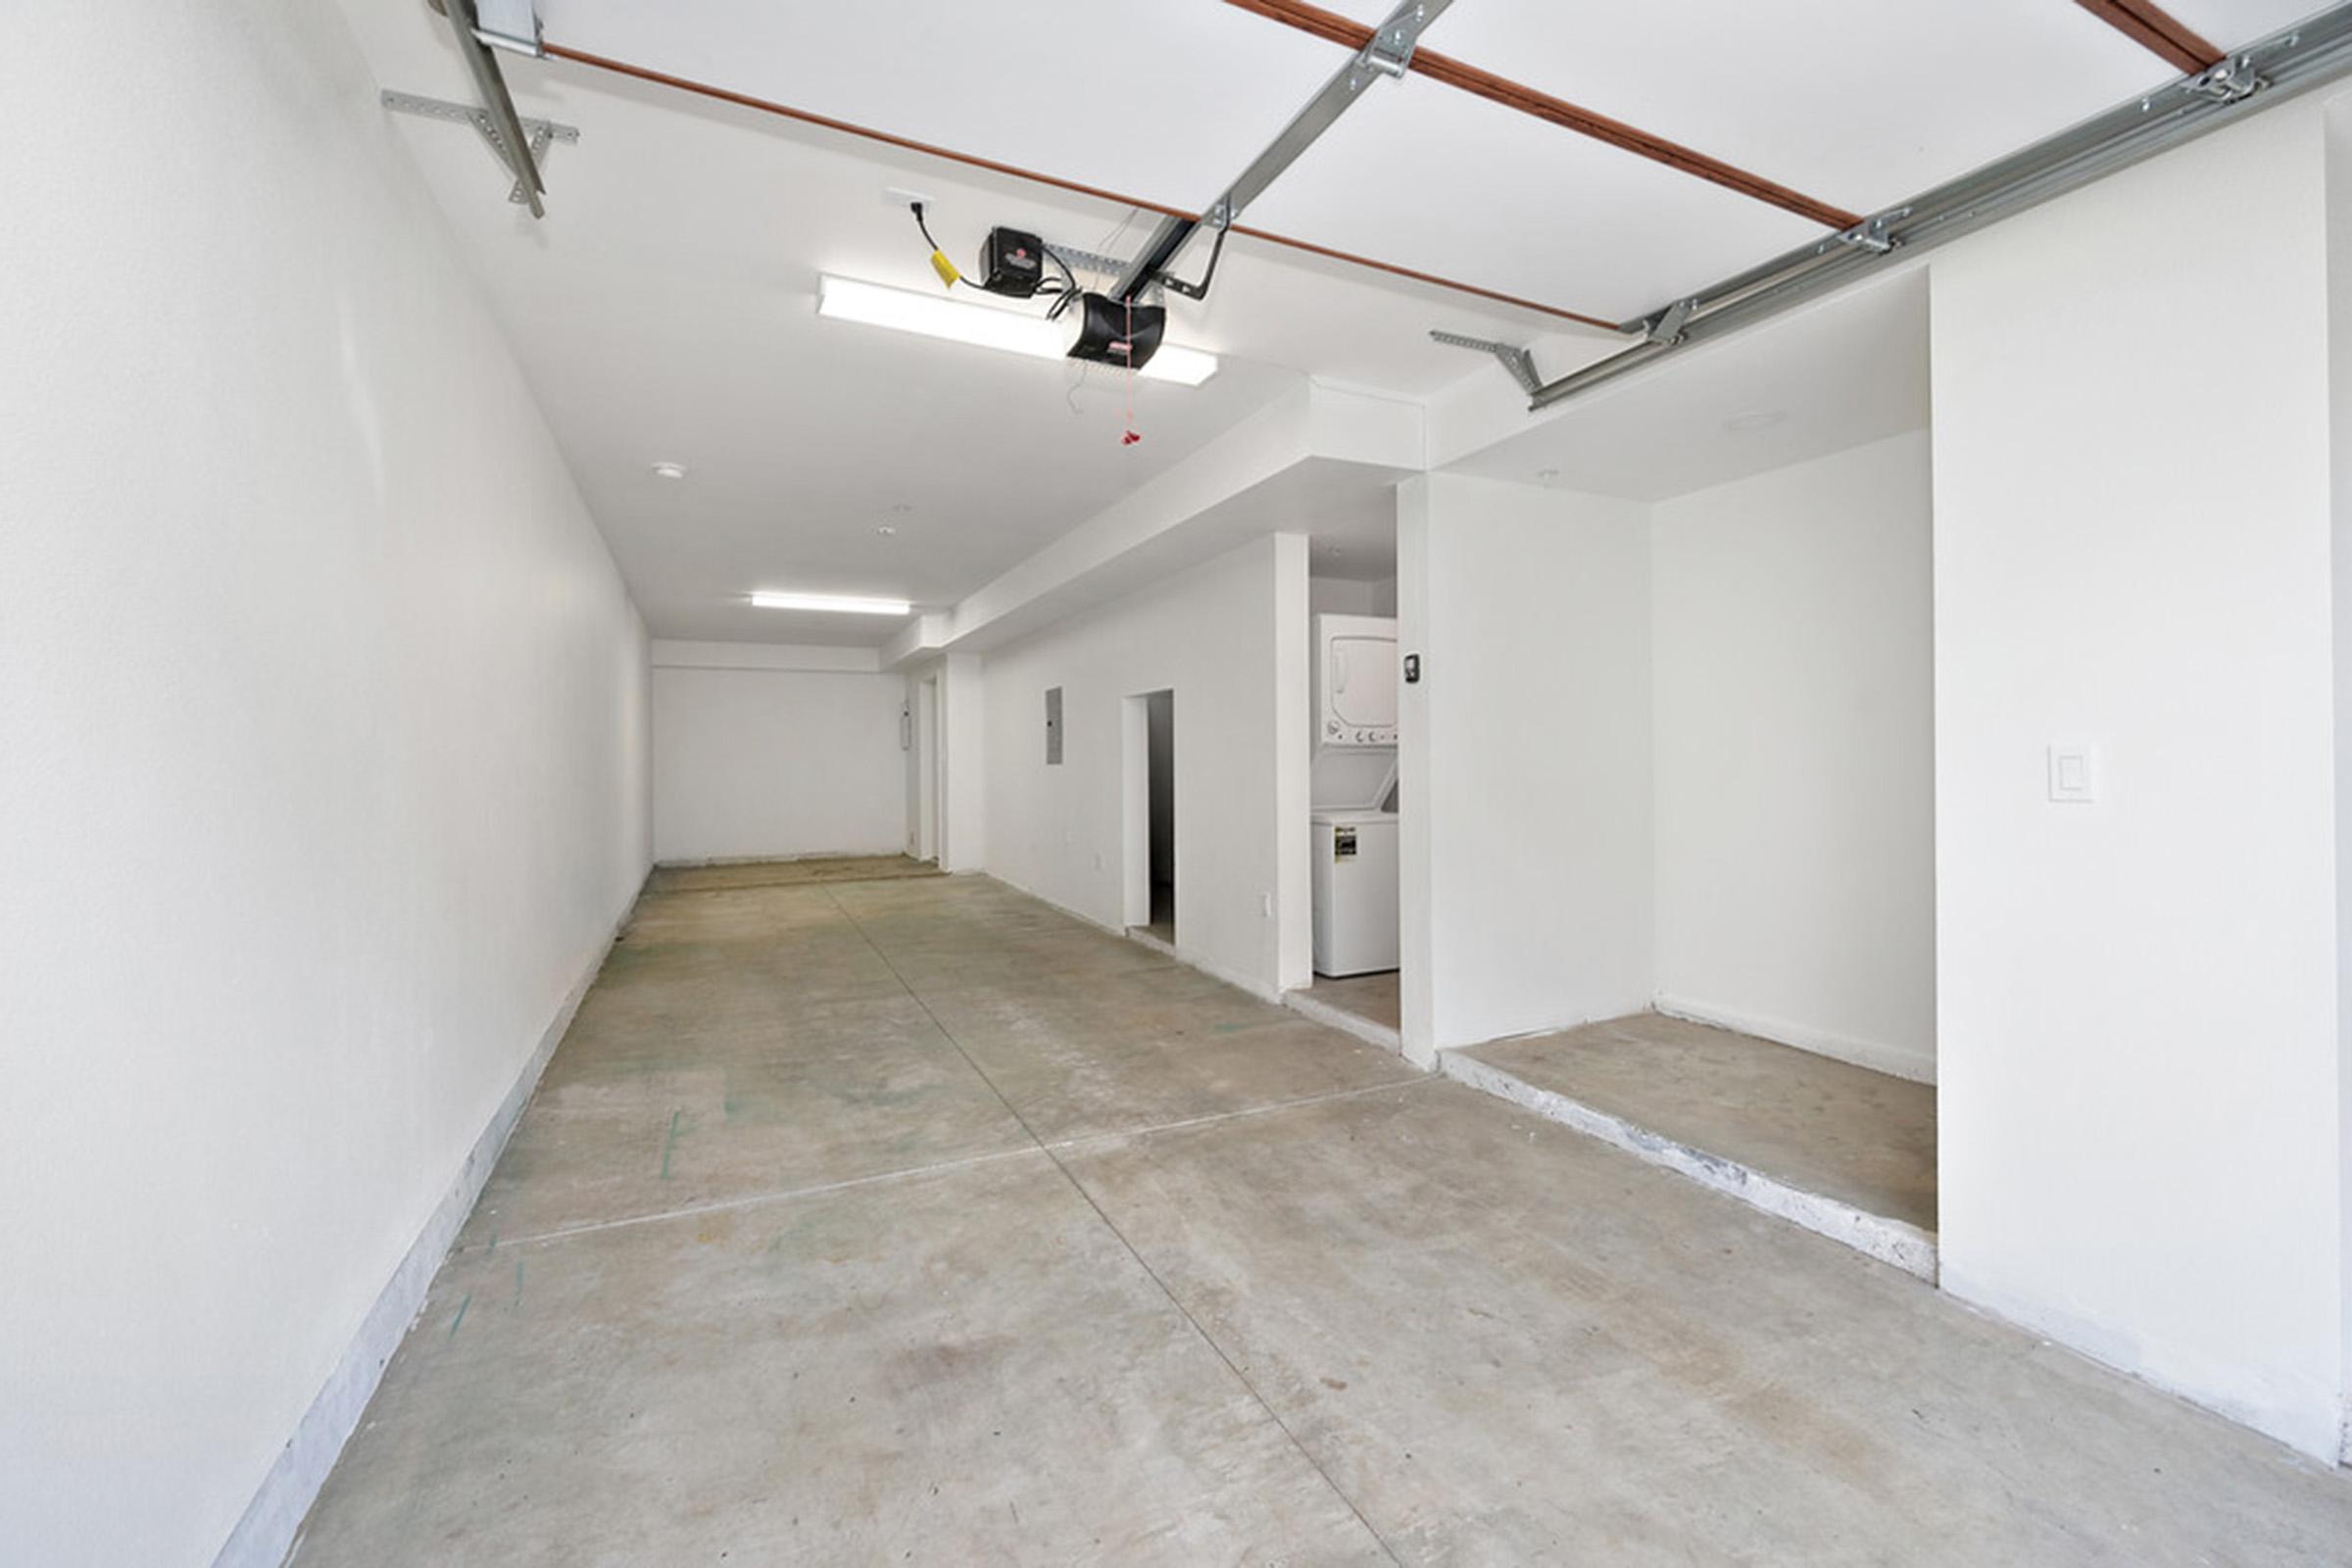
{"points": [[2074, 772]]}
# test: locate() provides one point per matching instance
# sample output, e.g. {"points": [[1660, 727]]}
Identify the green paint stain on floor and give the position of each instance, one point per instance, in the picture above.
{"points": [[671, 1143]]}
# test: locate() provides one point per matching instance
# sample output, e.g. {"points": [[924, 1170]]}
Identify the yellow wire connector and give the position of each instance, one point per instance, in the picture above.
{"points": [[947, 275]]}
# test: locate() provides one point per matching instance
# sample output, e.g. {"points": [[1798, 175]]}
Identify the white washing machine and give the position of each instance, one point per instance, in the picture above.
{"points": [[1355, 892]]}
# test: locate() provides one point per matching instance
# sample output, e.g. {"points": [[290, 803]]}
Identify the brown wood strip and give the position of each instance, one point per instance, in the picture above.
{"points": [[1353, 35], [700, 89], [2157, 29]]}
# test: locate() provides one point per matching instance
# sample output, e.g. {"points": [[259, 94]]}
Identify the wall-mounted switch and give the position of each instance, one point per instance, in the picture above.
{"points": [[2074, 772], [1412, 669], [1266, 906]]}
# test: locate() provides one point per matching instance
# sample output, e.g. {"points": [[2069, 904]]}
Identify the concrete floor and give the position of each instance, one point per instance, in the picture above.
{"points": [[914, 1222], [1863, 1138], [1372, 997], [786, 873]]}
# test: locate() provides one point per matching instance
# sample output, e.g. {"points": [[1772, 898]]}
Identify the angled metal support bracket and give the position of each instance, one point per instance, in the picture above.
{"points": [[1389, 54], [515, 25], [541, 133], [1516, 360], [1667, 325]]}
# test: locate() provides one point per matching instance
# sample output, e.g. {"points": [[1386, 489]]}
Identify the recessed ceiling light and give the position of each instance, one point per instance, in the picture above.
{"points": [[887, 531], [1754, 420], [1016, 332], [669, 470], [840, 604]]}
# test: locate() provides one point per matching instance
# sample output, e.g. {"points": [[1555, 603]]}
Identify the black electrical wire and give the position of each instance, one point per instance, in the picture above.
{"points": [[917, 208]]}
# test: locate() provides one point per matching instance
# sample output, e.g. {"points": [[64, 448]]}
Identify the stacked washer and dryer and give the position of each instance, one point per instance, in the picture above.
{"points": [[1355, 821]]}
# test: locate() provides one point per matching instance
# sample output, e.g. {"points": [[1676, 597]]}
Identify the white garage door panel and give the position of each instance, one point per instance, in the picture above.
{"points": [[1439, 180], [2233, 24], [1153, 99], [1857, 103]]}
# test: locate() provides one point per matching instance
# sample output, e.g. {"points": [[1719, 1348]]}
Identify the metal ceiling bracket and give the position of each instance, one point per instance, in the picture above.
{"points": [[2228, 80], [510, 24], [512, 143], [1872, 234], [1389, 54], [2312, 53], [1667, 325], [1516, 360], [540, 134]]}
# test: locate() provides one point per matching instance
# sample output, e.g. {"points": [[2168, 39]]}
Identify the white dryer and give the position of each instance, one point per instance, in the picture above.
{"points": [[1355, 683]]}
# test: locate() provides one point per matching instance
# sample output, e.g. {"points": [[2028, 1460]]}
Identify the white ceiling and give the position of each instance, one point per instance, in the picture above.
{"points": [[665, 310], [1163, 100], [1849, 369], [2230, 23], [1856, 103], [665, 307], [1436, 179]]}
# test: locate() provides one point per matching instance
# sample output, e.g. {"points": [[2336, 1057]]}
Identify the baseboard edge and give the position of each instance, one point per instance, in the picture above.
{"points": [[1896, 1062], [270, 1528]]}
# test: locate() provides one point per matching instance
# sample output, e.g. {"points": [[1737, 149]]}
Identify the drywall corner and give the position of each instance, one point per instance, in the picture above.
{"points": [[1293, 742], [1417, 870]]}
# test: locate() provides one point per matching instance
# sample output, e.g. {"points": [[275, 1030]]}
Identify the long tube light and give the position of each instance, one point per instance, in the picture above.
{"points": [[845, 299], [839, 603]]}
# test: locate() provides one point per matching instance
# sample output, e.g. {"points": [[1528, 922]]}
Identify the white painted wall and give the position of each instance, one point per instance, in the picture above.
{"points": [[2138, 1045], [324, 782], [2337, 131], [763, 750], [1524, 760], [1345, 596], [1229, 638], [1793, 728]]}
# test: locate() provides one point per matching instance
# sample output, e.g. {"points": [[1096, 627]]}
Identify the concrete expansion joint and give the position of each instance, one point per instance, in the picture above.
{"points": [[1051, 1152]]}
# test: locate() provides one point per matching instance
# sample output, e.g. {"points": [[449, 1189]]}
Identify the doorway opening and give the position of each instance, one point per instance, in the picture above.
{"points": [[1149, 734], [927, 769], [1356, 823]]}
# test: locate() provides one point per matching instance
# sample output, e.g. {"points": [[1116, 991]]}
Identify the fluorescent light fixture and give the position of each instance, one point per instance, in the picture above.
{"points": [[845, 299], [843, 604]]}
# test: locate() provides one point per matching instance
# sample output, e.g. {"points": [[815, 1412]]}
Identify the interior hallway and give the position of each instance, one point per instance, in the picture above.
{"points": [[913, 1221]]}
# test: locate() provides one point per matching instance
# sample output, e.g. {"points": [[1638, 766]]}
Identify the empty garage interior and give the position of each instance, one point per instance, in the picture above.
{"points": [[1201, 781]]}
